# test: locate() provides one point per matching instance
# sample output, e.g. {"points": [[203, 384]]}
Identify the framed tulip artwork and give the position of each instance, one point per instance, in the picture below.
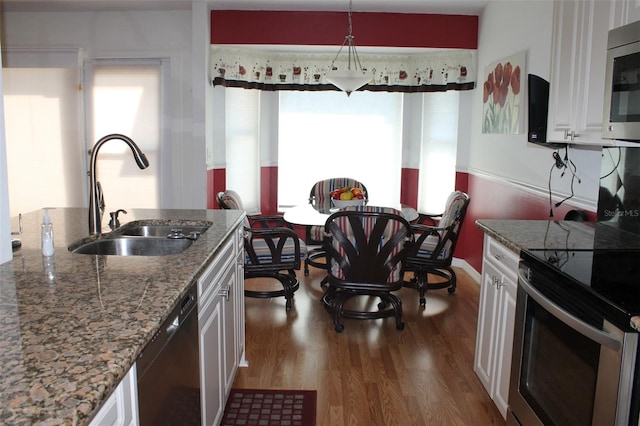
{"points": [[502, 96]]}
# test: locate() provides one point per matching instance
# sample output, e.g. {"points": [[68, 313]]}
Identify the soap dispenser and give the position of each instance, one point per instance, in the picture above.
{"points": [[47, 234]]}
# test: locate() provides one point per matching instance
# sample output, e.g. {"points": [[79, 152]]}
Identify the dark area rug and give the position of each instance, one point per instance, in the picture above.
{"points": [[261, 407]]}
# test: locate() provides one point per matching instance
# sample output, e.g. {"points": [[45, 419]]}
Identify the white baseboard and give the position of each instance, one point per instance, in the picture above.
{"points": [[461, 263]]}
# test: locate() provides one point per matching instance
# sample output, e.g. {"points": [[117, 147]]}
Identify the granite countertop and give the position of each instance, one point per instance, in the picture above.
{"points": [[67, 341], [557, 235]]}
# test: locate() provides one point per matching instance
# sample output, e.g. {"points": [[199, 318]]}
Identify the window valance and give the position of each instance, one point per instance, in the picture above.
{"points": [[270, 70]]}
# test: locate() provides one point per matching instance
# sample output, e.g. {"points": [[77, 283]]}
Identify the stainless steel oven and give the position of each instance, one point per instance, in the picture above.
{"points": [[575, 353]]}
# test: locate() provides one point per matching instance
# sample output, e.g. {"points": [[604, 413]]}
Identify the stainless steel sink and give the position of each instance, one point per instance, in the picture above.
{"points": [[132, 246], [150, 237], [159, 230]]}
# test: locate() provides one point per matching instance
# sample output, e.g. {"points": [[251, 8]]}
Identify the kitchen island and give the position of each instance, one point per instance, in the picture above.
{"points": [[72, 329]]}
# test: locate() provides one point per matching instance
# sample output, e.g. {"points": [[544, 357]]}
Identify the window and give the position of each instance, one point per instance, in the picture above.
{"points": [[242, 112], [437, 173], [45, 158], [46, 153], [126, 97], [327, 134]]}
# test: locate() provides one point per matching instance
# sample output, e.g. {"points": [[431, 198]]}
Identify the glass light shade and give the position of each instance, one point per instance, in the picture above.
{"points": [[348, 80]]}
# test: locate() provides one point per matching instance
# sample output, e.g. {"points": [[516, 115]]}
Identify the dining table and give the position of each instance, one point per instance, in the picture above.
{"points": [[316, 215]]}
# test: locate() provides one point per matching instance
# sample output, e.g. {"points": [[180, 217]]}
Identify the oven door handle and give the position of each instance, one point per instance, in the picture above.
{"points": [[599, 336]]}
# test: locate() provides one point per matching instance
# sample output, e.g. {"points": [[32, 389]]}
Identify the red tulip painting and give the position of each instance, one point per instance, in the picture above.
{"points": [[501, 95]]}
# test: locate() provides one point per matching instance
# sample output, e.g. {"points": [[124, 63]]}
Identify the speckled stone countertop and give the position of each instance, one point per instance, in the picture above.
{"points": [[548, 234], [67, 341]]}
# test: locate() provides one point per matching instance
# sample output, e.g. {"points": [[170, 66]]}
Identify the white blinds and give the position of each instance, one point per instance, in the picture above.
{"points": [[242, 136], [126, 98], [46, 160], [325, 134]]}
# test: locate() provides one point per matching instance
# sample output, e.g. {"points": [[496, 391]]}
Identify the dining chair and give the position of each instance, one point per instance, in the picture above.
{"points": [[272, 250], [435, 243], [366, 249], [320, 199]]}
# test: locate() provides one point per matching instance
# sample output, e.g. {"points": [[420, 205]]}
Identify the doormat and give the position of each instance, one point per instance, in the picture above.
{"points": [[260, 407]]}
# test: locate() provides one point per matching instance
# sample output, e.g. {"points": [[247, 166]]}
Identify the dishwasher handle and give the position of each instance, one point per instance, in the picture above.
{"points": [[173, 327], [185, 307]]}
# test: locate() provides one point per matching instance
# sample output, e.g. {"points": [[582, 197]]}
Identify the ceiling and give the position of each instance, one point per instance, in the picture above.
{"points": [[461, 7]]}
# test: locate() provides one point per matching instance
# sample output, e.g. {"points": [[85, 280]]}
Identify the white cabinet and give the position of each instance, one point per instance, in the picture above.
{"points": [[221, 328], [579, 49], [239, 299], [496, 314], [121, 409]]}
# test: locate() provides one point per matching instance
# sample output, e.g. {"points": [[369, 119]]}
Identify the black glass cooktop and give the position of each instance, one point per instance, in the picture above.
{"points": [[608, 278]]}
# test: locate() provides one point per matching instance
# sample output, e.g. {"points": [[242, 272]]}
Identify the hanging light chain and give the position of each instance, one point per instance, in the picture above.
{"points": [[351, 47]]}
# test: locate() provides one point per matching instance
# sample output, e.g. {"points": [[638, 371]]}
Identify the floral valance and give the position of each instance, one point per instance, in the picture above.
{"points": [[271, 70]]}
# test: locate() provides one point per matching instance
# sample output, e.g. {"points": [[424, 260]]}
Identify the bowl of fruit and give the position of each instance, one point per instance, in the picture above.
{"points": [[345, 197]]}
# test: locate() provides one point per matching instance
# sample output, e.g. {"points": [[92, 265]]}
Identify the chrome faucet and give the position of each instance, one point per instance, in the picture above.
{"points": [[96, 197]]}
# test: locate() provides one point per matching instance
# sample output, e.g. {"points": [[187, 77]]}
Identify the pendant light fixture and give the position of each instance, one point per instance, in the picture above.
{"points": [[354, 77]]}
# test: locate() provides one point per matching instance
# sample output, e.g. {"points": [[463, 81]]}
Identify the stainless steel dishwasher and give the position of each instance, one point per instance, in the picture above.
{"points": [[168, 369]]}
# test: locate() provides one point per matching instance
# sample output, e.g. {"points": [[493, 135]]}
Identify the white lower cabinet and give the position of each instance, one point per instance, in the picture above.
{"points": [[496, 315], [121, 409], [221, 328]]}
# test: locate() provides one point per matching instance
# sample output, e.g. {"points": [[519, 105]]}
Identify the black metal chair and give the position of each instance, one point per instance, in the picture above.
{"points": [[433, 249], [366, 248], [320, 199], [272, 250]]}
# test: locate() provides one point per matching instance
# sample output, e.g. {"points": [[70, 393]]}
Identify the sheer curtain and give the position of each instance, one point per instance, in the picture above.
{"points": [[438, 157], [327, 134]]}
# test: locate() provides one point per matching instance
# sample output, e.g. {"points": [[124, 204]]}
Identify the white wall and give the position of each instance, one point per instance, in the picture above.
{"points": [[5, 225], [132, 34], [507, 28]]}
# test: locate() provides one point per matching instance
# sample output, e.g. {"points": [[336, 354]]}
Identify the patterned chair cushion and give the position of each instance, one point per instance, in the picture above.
{"points": [[316, 233], [455, 202], [428, 246], [320, 192], [230, 199], [391, 228], [264, 254], [321, 198]]}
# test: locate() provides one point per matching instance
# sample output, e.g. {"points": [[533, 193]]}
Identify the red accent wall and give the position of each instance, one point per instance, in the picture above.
{"points": [[330, 28], [269, 190], [497, 200], [216, 182], [409, 187]]}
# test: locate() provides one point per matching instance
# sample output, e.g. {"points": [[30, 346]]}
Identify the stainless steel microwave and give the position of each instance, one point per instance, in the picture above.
{"points": [[622, 84]]}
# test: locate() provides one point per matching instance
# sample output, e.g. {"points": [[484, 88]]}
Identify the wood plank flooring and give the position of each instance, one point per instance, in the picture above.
{"points": [[371, 373]]}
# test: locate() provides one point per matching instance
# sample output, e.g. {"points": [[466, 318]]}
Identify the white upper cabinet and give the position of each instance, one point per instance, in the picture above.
{"points": [[576, 95]]}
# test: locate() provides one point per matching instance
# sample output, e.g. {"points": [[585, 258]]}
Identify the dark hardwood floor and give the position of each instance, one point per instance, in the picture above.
{"points": [[371, 373]]}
